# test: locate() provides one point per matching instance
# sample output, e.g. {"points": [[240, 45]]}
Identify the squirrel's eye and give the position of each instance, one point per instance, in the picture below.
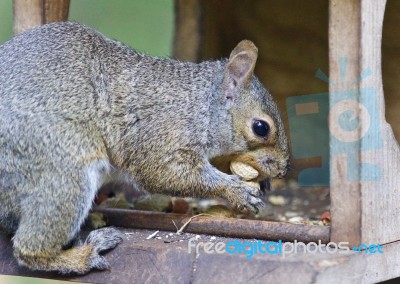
{"points": [[261, 128]]}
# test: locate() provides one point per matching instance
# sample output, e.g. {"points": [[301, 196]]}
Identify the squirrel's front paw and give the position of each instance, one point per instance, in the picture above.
{"points": [[245, 195]]}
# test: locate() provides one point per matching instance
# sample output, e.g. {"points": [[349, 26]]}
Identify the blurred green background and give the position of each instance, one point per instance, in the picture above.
{"points": [[146, 25], [8, 279]]}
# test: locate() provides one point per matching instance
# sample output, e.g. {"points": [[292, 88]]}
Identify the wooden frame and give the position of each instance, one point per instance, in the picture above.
{"points": [[362, 211]]}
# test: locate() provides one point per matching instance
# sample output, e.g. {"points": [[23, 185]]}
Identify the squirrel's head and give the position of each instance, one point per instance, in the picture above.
{"points": [[259, 139]]}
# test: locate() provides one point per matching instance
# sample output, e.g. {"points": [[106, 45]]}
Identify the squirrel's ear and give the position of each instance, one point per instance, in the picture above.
{"points": [[240, 67]]}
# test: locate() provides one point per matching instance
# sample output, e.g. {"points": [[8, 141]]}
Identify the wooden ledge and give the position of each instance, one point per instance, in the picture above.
{"points": [[213, 225]]}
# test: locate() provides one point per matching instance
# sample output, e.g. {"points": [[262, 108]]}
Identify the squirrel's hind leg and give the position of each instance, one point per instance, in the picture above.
{"points": [[79, 259], [51, 218]]}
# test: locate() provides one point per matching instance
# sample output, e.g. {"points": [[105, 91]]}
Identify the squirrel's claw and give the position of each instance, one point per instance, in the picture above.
{"points": [[255, 204], [246, 196]]}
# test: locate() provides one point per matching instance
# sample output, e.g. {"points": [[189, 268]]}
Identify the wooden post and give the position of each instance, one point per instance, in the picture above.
{"points": [[32, 13], [344, 41], [187, 30], [365, 161]]}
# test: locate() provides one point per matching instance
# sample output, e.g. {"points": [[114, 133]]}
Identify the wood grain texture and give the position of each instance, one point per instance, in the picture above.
{"points": [[139, 260], [55, 10], [27, 14], [187, 30], [344, 21], [380, 201], [32, 13], [365, 210]]}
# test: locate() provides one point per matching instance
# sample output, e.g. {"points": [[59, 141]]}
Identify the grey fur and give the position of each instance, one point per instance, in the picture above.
{"points": [[75, 106], [104, 239]]}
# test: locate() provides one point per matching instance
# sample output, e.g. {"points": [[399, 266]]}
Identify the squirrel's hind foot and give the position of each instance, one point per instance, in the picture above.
{"points": [[77, 260], [102, 240]]}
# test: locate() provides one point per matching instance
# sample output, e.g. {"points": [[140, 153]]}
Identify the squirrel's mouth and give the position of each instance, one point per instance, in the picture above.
{"points": [[265, 185], [279, 169]]}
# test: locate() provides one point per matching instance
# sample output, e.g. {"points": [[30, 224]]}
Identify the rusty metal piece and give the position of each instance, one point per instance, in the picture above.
{"points": [[213, 225]]}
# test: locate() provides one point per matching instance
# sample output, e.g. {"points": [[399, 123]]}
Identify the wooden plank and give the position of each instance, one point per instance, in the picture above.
{"points": [[380, 200], [27, 14], [320, 267], [364, 172], [138, 260], [32, 13], [344, 19], [55, 10]]}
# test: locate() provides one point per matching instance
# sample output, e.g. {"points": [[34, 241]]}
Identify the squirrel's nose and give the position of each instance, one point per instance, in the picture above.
{"points": [[283, 172]]}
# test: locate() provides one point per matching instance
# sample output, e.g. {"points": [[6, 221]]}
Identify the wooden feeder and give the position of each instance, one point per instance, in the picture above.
{"points": [[364, 203]]}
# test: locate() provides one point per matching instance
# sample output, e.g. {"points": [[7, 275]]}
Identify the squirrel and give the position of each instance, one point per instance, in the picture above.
{"points": [[76, 107]]}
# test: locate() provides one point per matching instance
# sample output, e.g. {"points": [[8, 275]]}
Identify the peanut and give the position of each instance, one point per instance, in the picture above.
{"points": [[246, 172]]}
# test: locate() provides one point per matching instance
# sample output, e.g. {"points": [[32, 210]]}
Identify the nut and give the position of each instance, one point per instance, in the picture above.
{"points": [[245, 171], [253, 184]]}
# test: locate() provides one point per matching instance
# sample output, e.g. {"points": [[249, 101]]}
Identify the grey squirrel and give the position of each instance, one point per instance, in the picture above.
{"points": [[75, 107]]}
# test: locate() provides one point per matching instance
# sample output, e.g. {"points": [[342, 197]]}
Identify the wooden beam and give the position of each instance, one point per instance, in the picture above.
{"points": [[364, 168], [344, 41], [32, 13], [214, 225], [380, 200], [187, 30], [167, 260]]}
